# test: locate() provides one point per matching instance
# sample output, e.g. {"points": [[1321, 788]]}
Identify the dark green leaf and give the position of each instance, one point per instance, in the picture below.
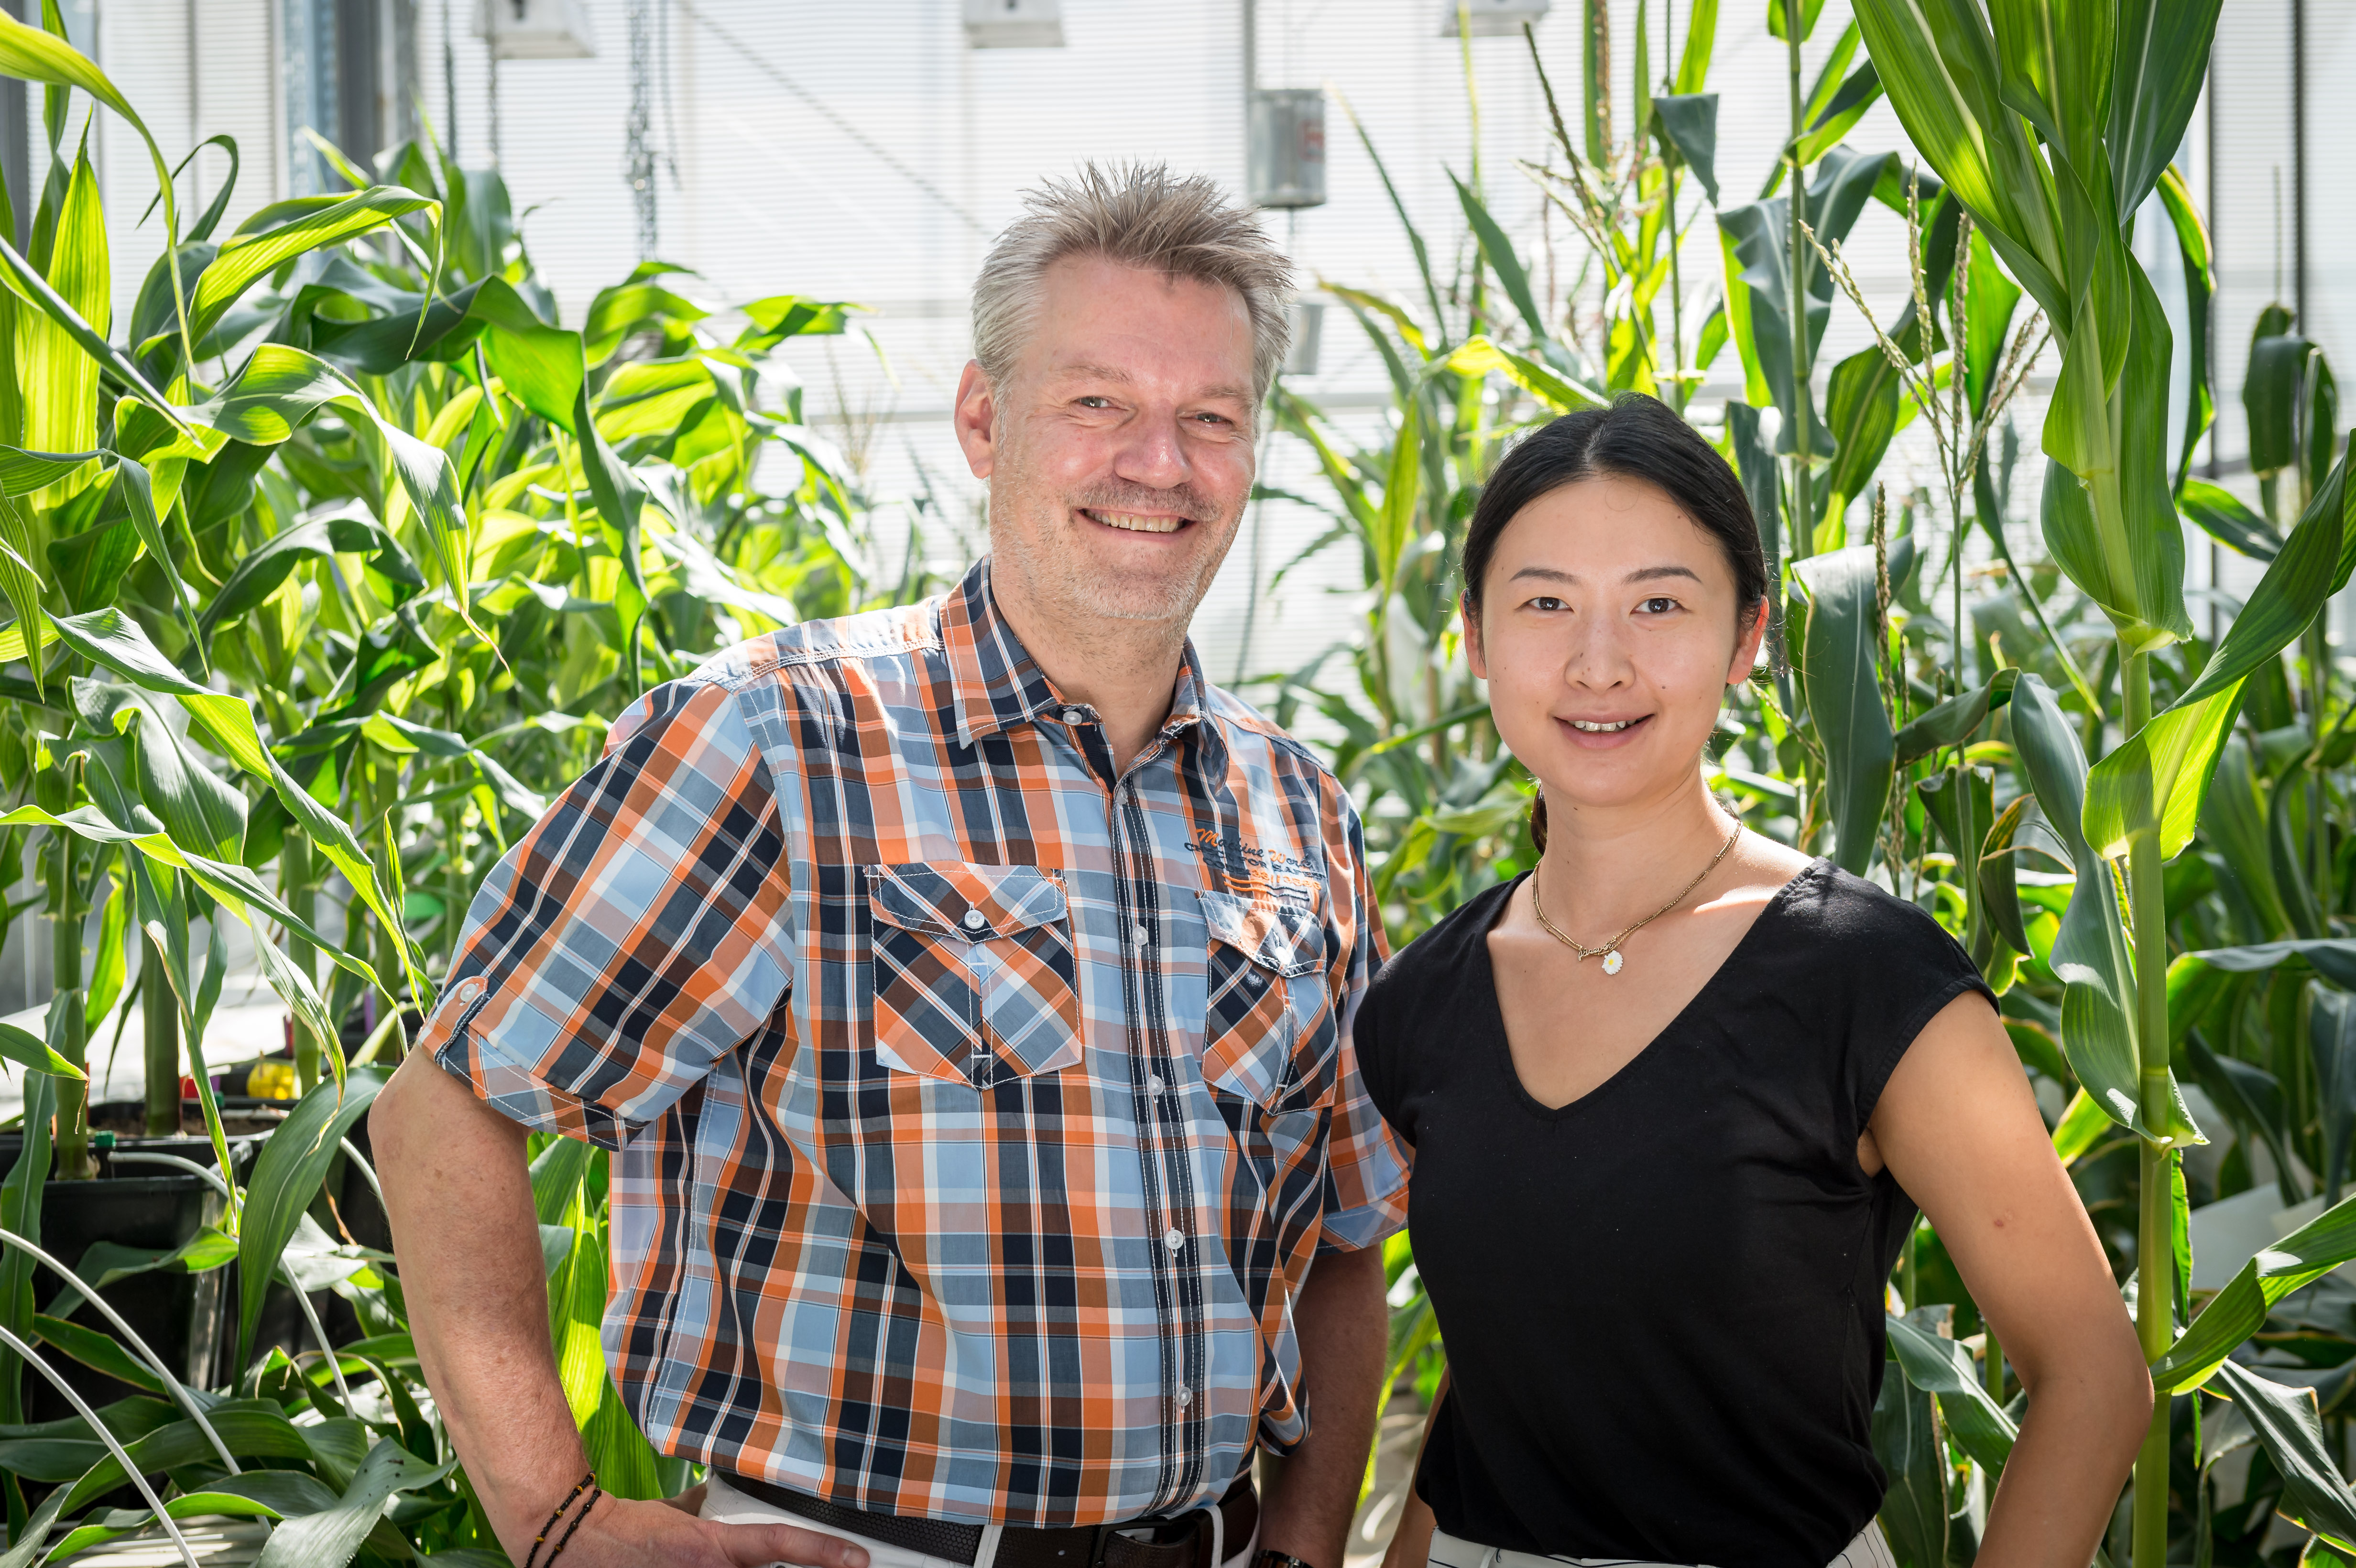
{"points": [[1999, 886], [1845, 692], [1861, 411], [2221, 515], [2270, 396], [98, 1352], [1688, 122], [285, 1178], [2157, 65], [331, 1537], [2288, 1426], [1938, 1366], [2239, 1310]]}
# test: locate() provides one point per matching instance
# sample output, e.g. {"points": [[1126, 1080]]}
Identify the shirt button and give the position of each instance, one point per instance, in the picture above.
{"points": [[1153, 1083], [1073, 716], [1140, 933], [469, 990], [1186, 1397], [974, 920], [1174, 1239]]}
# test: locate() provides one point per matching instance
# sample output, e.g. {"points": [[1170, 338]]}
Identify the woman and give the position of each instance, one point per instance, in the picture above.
{"points": [[1675, 1093]]}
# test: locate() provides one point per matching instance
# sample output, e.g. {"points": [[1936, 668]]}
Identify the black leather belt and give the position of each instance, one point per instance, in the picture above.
{"points": [[1182, 1542]]}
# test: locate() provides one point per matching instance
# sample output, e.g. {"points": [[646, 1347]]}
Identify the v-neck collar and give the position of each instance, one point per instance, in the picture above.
{"points": [[1485, 978]]}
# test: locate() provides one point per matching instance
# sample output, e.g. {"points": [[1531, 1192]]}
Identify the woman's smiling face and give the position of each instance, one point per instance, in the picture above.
{"points": [[1608, 630]]}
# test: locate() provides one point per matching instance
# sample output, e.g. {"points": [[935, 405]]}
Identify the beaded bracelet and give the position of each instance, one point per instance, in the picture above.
{"points": [[578, 1520], [579, 1486]]}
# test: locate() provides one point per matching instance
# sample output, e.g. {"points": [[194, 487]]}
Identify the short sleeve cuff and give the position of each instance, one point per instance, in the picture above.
{"points": [[513, 1090]]}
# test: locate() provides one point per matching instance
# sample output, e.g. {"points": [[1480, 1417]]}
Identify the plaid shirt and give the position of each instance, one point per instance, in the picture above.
{"points": [[980, 1108]]}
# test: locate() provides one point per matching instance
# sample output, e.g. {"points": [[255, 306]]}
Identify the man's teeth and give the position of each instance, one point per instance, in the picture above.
{"points": [[1139, 522], [1594, 729]]}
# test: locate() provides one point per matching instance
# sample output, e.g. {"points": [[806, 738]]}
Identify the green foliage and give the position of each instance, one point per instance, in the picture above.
{"points": [[333, 564]]}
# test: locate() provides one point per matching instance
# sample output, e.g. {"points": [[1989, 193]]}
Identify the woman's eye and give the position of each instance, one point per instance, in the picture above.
{"points": [[1659, 606], [1547, 604]]}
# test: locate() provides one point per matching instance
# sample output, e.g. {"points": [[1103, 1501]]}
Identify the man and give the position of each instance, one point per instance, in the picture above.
{"points": [[967, 989]]}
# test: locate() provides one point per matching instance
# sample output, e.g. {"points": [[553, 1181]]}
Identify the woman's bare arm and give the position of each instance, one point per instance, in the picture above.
{"points": [[1959, 1129]]}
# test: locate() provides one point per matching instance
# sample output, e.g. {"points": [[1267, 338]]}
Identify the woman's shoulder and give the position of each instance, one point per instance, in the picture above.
{"points": [[1424, 981], [1837, 927], [1431, 971], [1441, 949], [1838, 905]]}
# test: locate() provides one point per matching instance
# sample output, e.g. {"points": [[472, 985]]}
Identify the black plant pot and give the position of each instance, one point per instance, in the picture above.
{"points": [[132, 1204], [190, 1320]]}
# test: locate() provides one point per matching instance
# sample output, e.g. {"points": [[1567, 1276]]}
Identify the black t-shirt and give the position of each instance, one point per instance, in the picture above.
{"points": [[1662, 1302]]}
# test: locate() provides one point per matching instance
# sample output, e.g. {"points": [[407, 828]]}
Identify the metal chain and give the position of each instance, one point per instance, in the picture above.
{"points": [[1610, 951], [638, 155]]}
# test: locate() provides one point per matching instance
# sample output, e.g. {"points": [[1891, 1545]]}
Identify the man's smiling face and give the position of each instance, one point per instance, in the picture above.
{"points": [[1119, 451]]}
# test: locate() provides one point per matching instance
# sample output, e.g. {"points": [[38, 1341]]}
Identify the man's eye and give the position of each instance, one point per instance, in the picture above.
{"points": [[1214, 419], [1093, 401]]}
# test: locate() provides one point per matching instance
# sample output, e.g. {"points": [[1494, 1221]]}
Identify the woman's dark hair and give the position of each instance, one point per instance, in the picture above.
{"points": [[1637, 437]]}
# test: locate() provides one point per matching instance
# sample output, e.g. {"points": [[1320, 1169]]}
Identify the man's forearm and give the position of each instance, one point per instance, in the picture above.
{"points": [[1344, 1328], [458, 1192]]}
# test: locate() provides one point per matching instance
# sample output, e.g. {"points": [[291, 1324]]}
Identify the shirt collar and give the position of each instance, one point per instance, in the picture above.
{"points": [[992, 681]]}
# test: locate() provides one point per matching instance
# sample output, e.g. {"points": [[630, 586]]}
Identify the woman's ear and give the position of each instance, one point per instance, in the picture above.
{"points": [[1746, 646], [1474, 653]]}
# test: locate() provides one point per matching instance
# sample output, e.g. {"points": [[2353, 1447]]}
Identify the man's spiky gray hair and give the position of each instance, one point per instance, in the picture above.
{"points": [[1143, 216]]}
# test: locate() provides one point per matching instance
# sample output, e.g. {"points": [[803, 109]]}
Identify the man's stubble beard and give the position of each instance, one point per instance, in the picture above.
{"points": [[1066, 583]]}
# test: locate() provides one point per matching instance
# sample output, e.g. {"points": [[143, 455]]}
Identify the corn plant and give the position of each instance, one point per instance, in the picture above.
{"points": [[326, 567], [1938, 734]]}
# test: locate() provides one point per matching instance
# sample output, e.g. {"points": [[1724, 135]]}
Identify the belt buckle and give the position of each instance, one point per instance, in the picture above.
{"points": [[1096, 1544]]}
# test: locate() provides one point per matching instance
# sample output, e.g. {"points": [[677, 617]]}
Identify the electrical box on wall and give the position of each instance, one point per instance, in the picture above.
{"points": [[1014, 24], [1288, 147], [1491, 18], [536, 29]]}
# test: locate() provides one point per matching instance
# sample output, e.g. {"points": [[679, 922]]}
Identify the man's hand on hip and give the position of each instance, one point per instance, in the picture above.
{"points": [[620, 1534]]}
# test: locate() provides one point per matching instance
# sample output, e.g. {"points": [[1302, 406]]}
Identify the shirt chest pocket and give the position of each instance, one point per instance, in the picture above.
{"points": [[1268, 1026], [975, 977]]}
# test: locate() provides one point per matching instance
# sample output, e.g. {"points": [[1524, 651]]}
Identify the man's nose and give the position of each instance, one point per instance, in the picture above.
{"points": [[1153, 454]]}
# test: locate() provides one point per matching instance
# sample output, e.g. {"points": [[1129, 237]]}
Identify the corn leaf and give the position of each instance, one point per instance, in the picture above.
{"points": [[2239, 1310], [59, 378], [2158, 778], [1845, 691], [1561, 395], [286, 1176], [1938, 1366], [39, 56], [248, 258], [2291, 1431]]}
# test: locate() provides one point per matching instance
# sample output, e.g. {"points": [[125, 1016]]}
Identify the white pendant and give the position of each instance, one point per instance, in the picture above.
{"points": [[1611, 962]]}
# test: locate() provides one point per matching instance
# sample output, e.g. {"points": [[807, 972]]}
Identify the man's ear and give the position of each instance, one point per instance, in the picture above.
{"points": [[1476, 654], [976, 419]]}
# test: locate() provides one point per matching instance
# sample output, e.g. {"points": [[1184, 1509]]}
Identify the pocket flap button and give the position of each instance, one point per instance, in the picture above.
{"points": [[974, 920]]}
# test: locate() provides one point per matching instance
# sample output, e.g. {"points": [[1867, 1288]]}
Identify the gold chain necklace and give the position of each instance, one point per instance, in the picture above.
{"points": [[1610, 951]]}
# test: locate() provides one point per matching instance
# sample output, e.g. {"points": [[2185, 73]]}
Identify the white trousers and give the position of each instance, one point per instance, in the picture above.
{"points": [[1868, 1550], [728, 1506]]}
